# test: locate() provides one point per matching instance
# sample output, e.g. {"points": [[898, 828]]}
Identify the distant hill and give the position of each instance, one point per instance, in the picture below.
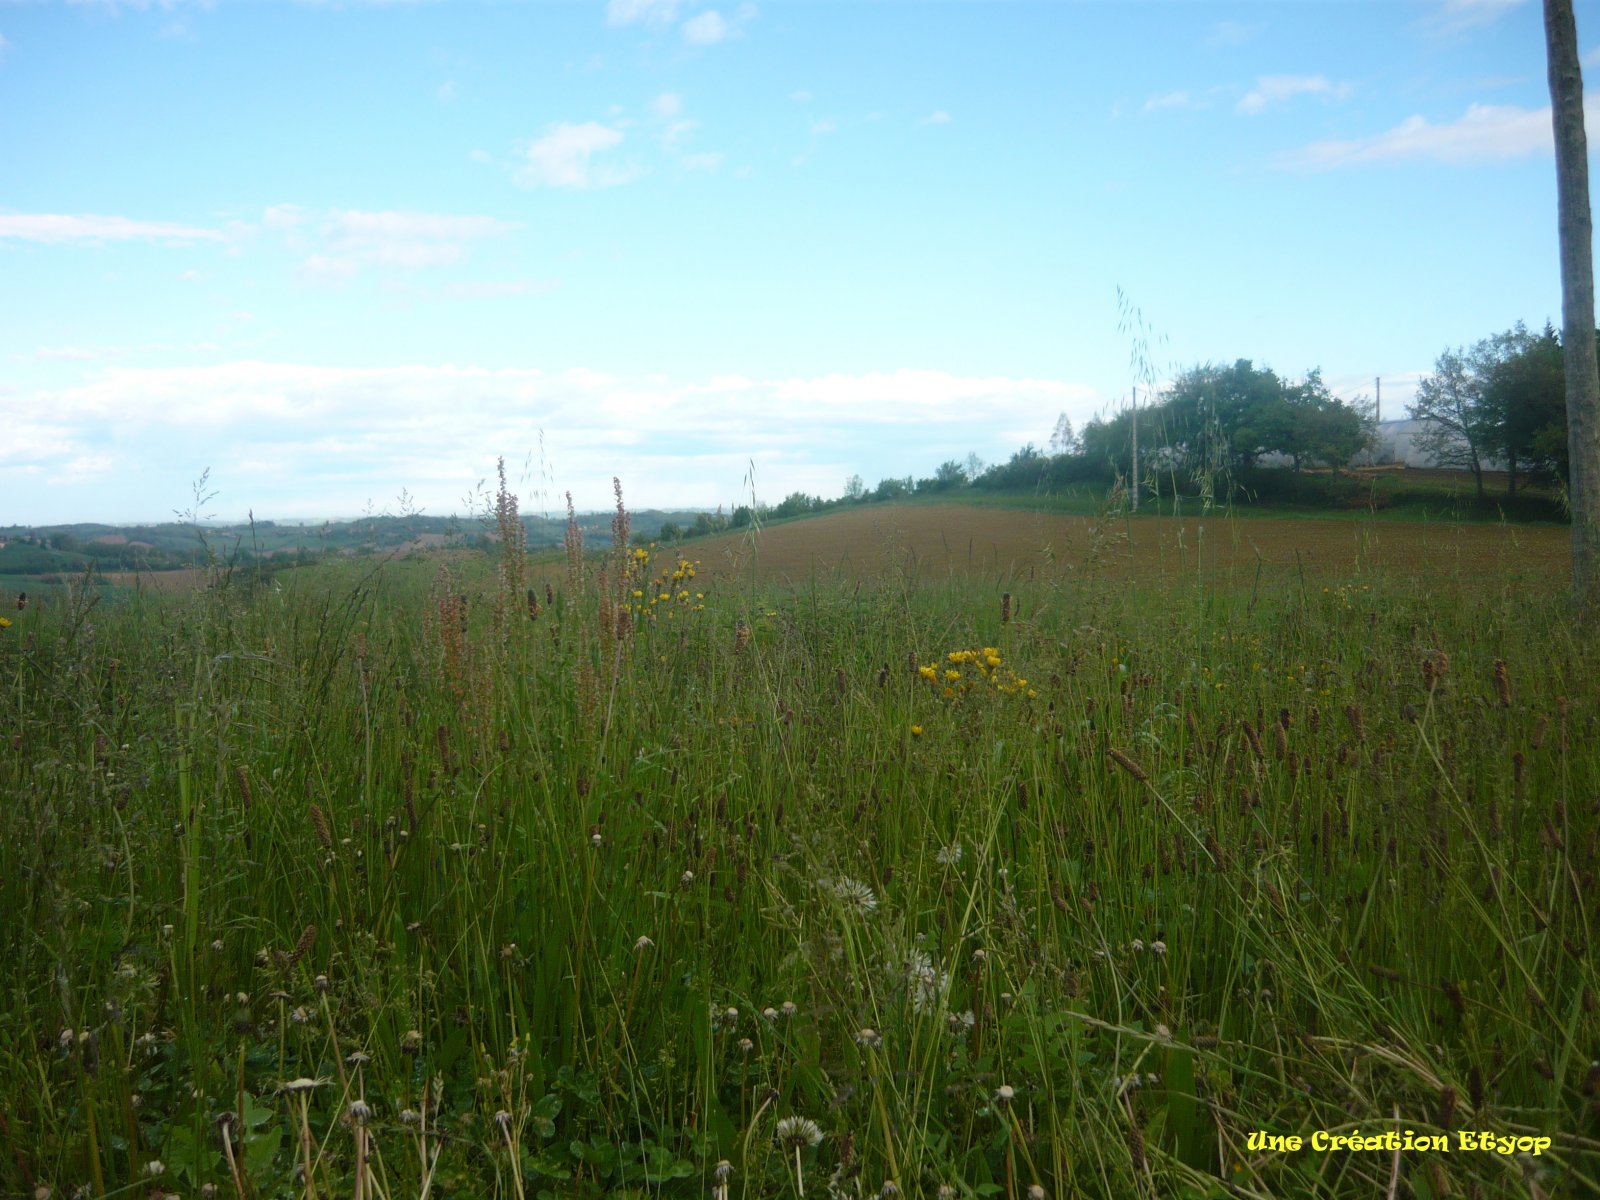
{"points": [[33, 550]]}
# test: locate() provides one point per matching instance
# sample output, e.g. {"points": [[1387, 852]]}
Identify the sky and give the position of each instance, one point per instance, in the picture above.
{"points": [[345, 255]]}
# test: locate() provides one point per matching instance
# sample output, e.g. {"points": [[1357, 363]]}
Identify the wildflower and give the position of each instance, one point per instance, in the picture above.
{"points": [[1006, 1094], [794, 1132], [746, 1045], [769, 1014], [869, 1037], [5, 622], [890, 1189], [949, 856], [595, 840], [960, 1022], [644, 943], [1159, 949], [1035, 1192], [788, 1009], [916, 731], [724, 1169], [356, 1058], [155, 1167], [303, 1084], [856, 896], [503, 1120], [359, 1112]]}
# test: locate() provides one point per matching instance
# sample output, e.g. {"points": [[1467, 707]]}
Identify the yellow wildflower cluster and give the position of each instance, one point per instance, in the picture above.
{"points": [[963, 670], [666, 589]]}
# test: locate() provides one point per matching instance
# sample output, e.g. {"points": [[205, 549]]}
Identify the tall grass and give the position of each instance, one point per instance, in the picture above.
{"points": [[514, 880]]}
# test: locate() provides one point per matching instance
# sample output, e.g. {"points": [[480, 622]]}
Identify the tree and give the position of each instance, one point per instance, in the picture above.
{"points": [[854, 489], [1450, 403], [1577, 298], [1062, 439], [1309, 425], [1524, 400]]}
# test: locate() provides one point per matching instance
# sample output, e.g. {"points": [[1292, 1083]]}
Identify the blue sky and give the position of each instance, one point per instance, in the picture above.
{"points": [[334, 250]]}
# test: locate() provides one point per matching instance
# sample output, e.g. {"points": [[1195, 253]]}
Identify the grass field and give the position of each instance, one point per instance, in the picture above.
{"points": [[925, 851]]}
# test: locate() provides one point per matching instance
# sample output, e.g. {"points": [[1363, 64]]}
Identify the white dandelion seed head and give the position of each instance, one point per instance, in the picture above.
{"points": [[869, 1037], [794, 1132], [949, 856], [1158, 948], [856, 896], [787, 1008], [644, 943], [1005, 1094]]}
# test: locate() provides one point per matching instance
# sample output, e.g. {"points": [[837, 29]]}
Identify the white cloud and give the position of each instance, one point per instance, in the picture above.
{"points": [[1485, 133], [1170, 100], [562, 158], [338, 245], [417, 425], [707, 29], [1276, 89], [500, 289], [56, 228], [667, 105], [937, 117], [626, 12], [1233, 33], [76, 353], [1453, 16]]}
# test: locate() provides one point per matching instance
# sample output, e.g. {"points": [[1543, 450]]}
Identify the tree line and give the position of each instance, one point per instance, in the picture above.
{"points": [[1218, 430]]}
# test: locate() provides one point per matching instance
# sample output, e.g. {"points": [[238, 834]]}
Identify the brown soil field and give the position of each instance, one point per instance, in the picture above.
{"points": [[181, 580], [943, 541]]}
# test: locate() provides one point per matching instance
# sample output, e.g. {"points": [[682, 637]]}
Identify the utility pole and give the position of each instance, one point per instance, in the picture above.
{"points": [[1135, 449], [1377, 414]]}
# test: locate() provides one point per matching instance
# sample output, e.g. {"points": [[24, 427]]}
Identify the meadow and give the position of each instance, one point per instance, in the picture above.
{"points": [[957, 852]]}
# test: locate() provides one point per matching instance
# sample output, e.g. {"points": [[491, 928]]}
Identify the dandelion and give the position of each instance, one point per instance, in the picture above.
{"points": [[1005, 1094], [644, 943], [856, 896], [949, 856], [359, 1112], [1035, 1192], [1159, 949], [916, 731], [795, 1132], [869, 1038], [787, 1008]]}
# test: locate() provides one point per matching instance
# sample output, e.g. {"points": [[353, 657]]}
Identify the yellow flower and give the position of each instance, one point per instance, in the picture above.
{"points": [[916, 731], [5, 622], [930, 673]]}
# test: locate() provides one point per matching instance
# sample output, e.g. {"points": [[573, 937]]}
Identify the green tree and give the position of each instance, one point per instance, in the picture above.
{"points": [[1524, 399], [1458, 429]]}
